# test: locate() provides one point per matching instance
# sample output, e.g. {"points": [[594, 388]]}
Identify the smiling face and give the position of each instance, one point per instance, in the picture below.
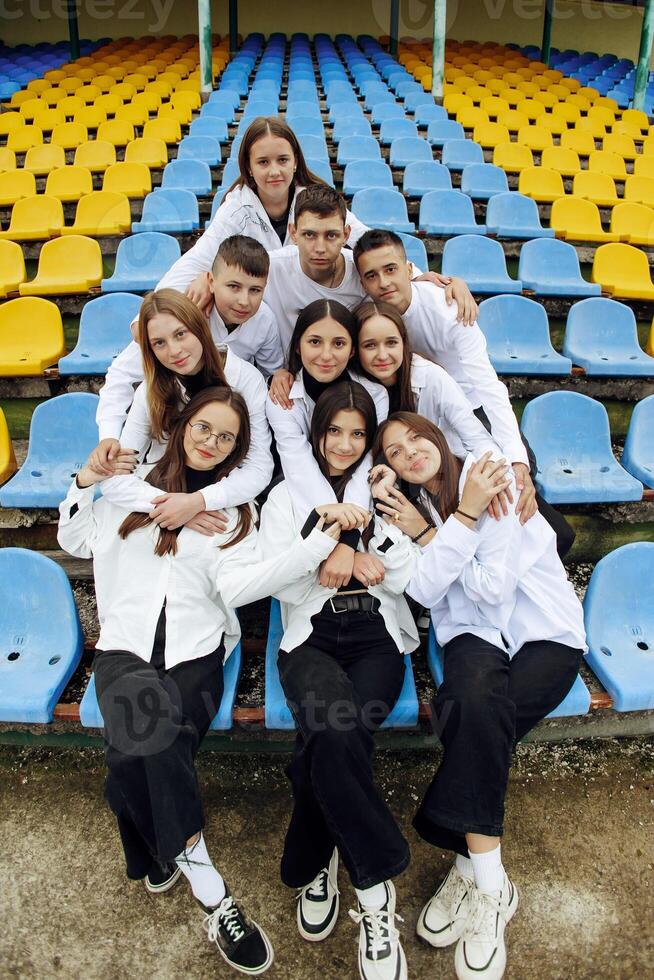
{"points": [[325, 349], [344, 442], [174, 345], [414, 458], [210, 436], [380, 349], [386, 275], [236, 294], [272, 166], [319, 240]]}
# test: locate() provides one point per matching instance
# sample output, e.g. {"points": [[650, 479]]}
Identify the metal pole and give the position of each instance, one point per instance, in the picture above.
{"points": [[73, 29], [233, 26], [204, 37], [394, 29], [438, 49], [546, 44], [644, 55]]}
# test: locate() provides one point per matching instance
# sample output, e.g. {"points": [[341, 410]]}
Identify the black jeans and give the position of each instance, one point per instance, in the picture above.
{"points": [[154, 721], [340, 685], [485, 705]]}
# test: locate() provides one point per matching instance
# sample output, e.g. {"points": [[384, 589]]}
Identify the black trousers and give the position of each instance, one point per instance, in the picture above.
{"points": [[485, 705], [154, 721], [340, 685]]}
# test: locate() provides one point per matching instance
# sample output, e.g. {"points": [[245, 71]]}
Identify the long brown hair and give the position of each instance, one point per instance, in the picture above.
{"points": [[446, 497], [163, 392], [364, 312], [347, 396], [272, 126], [170, 472]]}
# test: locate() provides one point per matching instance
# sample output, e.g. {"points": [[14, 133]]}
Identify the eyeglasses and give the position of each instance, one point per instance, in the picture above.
{"points": [[201, 432]]}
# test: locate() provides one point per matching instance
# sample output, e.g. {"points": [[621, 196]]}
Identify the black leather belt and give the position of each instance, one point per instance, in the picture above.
{"points": [[342, 603]]}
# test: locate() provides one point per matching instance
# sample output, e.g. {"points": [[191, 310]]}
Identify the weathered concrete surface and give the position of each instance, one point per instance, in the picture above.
{"points": [[579, 846]]}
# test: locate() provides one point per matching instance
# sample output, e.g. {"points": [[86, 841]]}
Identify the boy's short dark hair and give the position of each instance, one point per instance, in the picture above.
{"points": [[321, 200], [245, 253], [377, 238]]}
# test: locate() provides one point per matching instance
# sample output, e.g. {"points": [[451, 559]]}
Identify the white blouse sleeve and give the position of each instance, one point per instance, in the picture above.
{"points": [[117, 392], [399, 559], [78, 525]]}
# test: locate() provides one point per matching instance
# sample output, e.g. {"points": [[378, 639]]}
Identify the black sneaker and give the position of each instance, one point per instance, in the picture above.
{"points": [[240, 941], [161, 877]]}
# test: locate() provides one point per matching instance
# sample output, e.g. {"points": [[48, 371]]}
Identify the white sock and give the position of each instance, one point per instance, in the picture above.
{"points": [[372, 898], [489, 870], [206, 883], [464, 867]]}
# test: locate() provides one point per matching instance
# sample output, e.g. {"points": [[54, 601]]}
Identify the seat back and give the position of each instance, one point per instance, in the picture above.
{"points": [[358, 148], [95, 156], [549, 260], [31, 336], [408, 149], [563, 425], [104, 330], [415, 251], [638, 455], [380, 207], [37, 216], [193, 175], [170, 209], [69, 183], [617, 262], [483, 180], [511, 210]]}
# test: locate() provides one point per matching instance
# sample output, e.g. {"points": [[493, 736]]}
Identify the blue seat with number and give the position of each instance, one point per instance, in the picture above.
{"points": [[517, 333]]}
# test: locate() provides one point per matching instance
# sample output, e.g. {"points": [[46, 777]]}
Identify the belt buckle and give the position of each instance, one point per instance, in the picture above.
{"points": [[334, 609]]}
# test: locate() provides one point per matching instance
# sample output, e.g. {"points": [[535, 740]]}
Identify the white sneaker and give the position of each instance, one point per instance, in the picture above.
{"points": [[443, 918], [481, 952], [381, 956], [318, 904]]}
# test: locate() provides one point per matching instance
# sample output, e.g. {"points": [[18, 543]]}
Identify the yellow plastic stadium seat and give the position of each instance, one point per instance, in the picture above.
{"points": [[124, 91], [581, 143], [71, 84], [137, 115], [628, 129], [603, 162], [579, 100], [15, 184], [151, 152], [182, 113], [633, 223], [31, 337], [564, 161], [96, 155], [7, 159], [109, 104], [650, 341], [454, 101], [69, 135], [69, 183], [8, 464], [623, 271], [594, 127], [90, 116], [494, 106], [166, 129], [70, 264], [48, 119], [35, 218], [623, 145], [149, 101], [512, 157], [101, 213], [607, 116], [9, 121], [88, 93], [546, 98], [536, 137], [20, 139], [471, 116], [116, 131], [599, 188], [136, 79], [511, 95], [31, 108], [639, 190], [131, 179], [532, 109], [513, 119], [35, 87], [644, 166], [70, 105], [490, 134], [12, 267], [578, 220], [104, 82], [191, 97], [647, 149], [636, 118], [570, 113], [541, 184]]}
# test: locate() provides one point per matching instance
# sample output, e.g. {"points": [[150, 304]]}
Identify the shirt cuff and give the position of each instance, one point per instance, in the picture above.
{"points": [[318, 545], [110, 429], [80, 495], [457, 536]]}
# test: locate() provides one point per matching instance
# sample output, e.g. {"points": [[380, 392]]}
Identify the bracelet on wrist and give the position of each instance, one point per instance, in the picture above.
{"points": [[421, 534], [469, 516]]}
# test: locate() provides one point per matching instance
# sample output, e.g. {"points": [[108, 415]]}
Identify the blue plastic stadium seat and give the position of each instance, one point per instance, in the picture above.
{"points": [[427, 113], [393, 129], [421, 178], [513, 215], [229, 173], [483, 180], [223, 97], [442, 130], [409, 149], [277, 713], [619, 616], [576, 701], [220, 112], [518, 336], [376, 98], [601, 336], [308, 126], [190, 175], [382, 208], [416, 100], [215, 127], [321, 168], [300, 110], [459, 153], [391, 112], [203, 148], [551, 268], [350, 126], [169, 210], [638, 455], [448, 212], [103, 332], [62, 434], [41, 638], [481, 262], [360, 174], [415, 251], [314, 147], [358, 148], [339, 112], [570, 436], [91, 716]]}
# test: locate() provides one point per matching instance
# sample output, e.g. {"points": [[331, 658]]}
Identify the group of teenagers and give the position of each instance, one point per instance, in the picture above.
{"points": [[395, 469]]}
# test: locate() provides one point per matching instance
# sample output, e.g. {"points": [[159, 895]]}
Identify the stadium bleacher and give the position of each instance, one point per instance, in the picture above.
{"points": [[535, 183]]}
